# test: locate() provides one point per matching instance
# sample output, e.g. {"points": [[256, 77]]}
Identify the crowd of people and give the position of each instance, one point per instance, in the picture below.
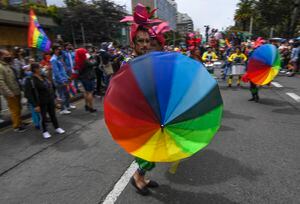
{"points": [[51, 82], [67, 69]]}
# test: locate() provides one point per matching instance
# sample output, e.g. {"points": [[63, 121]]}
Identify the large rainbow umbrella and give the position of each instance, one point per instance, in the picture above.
{"points": [[264, 65], [163, 107]]}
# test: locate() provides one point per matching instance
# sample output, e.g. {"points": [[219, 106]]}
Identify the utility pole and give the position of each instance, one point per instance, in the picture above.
{"points": [[272, 32], [73, 36], [174, 38], [206, 32], [83, 34], [251, 25]]}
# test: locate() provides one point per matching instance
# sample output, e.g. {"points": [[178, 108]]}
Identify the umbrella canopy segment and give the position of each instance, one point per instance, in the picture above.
{"points": [[163, 107], [264, 65]]}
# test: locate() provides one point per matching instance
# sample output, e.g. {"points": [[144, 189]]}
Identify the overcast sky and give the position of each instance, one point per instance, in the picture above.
{"points": [[216, 13]]}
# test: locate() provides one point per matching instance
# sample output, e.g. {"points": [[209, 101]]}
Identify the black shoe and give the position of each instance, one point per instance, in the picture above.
{"points": [[256, 99], [24, 124], [229, 85], [152, 184], [20, 129], [251, 99], [92, 110], [144, 191], [86, 108]]}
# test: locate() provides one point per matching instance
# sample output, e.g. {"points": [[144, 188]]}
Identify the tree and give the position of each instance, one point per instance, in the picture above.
{"points": [[99, 19], [282, 16], [244, 13]]}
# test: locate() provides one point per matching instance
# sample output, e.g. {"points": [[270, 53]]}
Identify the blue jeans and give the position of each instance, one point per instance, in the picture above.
{"points": [[36, 119], [64, 96]]}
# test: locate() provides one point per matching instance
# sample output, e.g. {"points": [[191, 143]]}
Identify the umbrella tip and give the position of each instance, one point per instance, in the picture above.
{"points": [[162, 128]]}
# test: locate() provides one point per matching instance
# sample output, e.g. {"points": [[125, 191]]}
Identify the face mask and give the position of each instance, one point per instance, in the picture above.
{"points": [[7, 59], [44, 72]]}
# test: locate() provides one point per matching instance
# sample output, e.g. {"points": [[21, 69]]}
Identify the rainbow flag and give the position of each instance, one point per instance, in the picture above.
{"points": [[36, 36]]}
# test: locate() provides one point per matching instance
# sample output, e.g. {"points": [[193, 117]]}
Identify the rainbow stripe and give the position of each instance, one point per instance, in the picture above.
{"points": [[264, 64], [163, 107], [36, 36]]}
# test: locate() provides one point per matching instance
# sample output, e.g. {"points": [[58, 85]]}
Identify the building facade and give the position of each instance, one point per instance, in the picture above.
{"points": [[14, 28], [184, 24], [167, 9], [18, 2]]}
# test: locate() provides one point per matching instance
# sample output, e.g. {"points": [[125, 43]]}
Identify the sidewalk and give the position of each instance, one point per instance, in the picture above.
{"points": [[80, 166], [25, 111]]}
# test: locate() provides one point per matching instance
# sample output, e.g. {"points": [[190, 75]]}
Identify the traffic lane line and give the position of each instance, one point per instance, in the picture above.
{"points": [[294, 96], [276, 84], [121, 184]]}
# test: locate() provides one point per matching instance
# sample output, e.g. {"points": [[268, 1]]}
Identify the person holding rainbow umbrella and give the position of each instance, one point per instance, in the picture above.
{"points": [[160, 106]]}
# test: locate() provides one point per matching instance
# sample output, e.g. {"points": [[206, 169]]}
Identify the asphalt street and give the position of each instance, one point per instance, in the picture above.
{"points": [[254, 158]]}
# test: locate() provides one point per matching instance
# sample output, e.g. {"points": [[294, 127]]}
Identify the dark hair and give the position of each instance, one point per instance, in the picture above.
{"points": [[140, 28], [55, 46], [66, 44], [34, 67]]}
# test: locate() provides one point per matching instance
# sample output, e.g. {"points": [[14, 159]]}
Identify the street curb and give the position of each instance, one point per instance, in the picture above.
{"points": [[28, 115]]}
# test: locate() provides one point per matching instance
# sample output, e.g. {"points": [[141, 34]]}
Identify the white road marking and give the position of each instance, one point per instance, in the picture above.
{"points": [[294, 96], [121, 184], [276, 84]]}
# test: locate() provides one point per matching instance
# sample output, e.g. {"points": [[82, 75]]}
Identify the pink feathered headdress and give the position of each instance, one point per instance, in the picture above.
{"points": [[158, 32], [140, 17], [259, 42]]}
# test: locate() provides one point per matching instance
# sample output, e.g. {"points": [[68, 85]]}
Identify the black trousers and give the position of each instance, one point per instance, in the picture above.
{"points": [[50, 109], [99, 87]]}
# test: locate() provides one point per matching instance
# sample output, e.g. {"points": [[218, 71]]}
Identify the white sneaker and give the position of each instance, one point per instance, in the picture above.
{"points": [[65, 112], [287, 73], [60, 131], [46, 135], [2, 121], [71, 107]]}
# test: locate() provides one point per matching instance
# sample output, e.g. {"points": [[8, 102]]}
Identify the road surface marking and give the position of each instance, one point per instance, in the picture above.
{"points": [[294, 96], [276, 84], [121, 184]]}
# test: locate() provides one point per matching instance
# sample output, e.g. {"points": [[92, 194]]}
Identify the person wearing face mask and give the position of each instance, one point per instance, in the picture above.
{"points": [[61, 80], [35, 116], [40, 94], [18, 62], [10, 89]]}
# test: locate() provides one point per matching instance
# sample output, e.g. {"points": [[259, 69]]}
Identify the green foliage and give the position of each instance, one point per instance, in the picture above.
{"points": [[99, 19], [39, 9], [267, 14]]}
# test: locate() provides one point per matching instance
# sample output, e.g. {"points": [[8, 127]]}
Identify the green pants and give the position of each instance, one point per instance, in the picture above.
{"points": [[253, 88], [144, 165]]}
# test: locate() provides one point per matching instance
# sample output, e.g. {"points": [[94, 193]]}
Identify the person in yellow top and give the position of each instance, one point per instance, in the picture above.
{"points": [[209, 55], [238, 67]]}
